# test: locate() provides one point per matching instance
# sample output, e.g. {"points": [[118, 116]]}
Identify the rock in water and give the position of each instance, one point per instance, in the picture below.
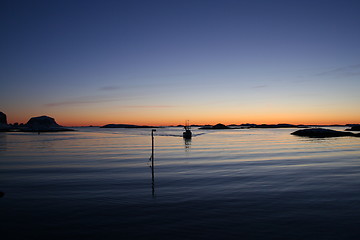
{"points": [[3, 119], [217, 126], [321, 133], [43, 124], [220, 126], [354, 128], [3, 122]]}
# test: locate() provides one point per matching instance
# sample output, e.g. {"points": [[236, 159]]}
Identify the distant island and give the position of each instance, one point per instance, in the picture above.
{"points": [[323, 133], [43, 124], [48, 124], [3, 122], [217, 126], [35, 124], [125, 126], [249, 125], [353, 128]]}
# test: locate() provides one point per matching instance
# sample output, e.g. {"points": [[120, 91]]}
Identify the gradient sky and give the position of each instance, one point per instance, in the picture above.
{"points": [[163, 62]]}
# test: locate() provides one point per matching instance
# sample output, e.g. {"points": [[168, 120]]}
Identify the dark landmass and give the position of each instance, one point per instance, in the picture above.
{"points": [[322, 133], [35, 124], [217, 126], [43, 124], [3, 119], [354, 128], [280, 125], [125, 126], [249, 125], [4, 127], [352, 124]]}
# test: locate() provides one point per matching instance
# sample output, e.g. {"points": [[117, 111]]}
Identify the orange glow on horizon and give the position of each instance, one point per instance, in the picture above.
{"points": [[165, 122], [174, 117]]}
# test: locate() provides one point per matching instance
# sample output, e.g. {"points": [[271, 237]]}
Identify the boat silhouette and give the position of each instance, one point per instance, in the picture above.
{"points": [[187, 134]]}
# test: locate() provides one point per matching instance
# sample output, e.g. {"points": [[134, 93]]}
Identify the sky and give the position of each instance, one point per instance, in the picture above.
{"points": [[165, 62]]}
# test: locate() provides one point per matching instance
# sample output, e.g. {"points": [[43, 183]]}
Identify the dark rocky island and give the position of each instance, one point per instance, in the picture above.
{"points": [[354, 128], [248, 125], [35, 124], [3, 123], [43, 124], [322, 133], [280, 125], [217, 126], [125, 126], [3, 119]]}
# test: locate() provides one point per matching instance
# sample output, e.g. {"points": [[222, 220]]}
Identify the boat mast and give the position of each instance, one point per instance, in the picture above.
{"points": [[187, 125]]}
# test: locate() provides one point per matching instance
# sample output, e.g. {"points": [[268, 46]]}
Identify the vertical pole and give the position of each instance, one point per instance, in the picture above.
{"points": [[152, 147], [152, 161]]}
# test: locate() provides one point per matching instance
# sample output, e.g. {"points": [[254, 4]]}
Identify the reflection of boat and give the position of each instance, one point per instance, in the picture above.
{"points": [[187, 142], [187, 134]]}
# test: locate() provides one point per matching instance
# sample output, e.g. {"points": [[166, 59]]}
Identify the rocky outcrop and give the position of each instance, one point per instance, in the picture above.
{"points": [[43, 124], [217, 126], [3, 119], [3, 122], [42, 121], [354, 128], [322, 133], [125, 126], [280, 125]]}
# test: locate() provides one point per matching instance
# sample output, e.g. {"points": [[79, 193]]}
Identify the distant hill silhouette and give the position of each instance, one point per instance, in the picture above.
{"points": [[43, 124], [125, 126], [217, 126], [3, 123], [35, 124], [354, 128], [322, 133], [3, 119]]}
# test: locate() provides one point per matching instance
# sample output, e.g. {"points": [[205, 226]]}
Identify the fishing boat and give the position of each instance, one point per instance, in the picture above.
{"points": [[187, 134]]}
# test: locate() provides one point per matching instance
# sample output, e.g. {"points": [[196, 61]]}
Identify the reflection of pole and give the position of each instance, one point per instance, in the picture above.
{"points": [[152, 161]]}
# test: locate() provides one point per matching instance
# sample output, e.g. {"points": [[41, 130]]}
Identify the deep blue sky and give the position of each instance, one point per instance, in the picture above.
{"points": [[88, 62]]}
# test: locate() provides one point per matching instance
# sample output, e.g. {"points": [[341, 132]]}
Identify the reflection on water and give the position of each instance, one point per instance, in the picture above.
{"points": [[2, 141], [152, 158], [187, 143], [236, 184], [2, 148]]}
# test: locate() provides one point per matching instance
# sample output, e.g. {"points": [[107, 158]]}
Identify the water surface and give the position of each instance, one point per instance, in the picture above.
{"points": [[225, 184]]}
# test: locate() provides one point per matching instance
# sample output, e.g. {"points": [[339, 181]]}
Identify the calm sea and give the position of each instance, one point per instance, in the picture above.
{"points": [[225, 184]]}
